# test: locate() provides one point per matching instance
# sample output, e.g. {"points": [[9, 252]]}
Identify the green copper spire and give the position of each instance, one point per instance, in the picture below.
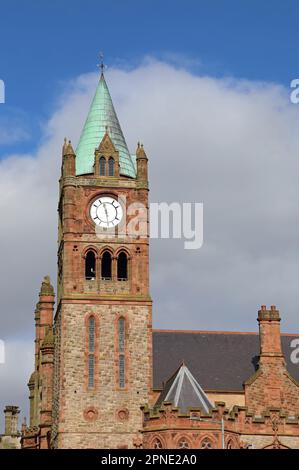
{"points": [[102, 117]]}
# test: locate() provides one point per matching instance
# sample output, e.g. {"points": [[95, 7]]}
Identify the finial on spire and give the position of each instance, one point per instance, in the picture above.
{"points": [[64, 147], [68, 149], [101, 65], [140, 152]]}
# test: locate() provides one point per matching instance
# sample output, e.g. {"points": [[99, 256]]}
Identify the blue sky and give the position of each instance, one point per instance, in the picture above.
{"points": [[45, 43]]}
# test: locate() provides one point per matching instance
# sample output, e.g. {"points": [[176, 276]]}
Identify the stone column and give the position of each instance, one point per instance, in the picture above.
{"points": [[11, 414]]}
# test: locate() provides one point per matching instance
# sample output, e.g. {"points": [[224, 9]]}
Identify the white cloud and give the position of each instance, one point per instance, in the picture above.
{"points": [[11, 135], [230, 144], [14, 375], [13, 126]]}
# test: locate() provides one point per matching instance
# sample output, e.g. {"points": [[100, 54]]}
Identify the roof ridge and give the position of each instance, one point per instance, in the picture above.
{"points": [[161, 330]]}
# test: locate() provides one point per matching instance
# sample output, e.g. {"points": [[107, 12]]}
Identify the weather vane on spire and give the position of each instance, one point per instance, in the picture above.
{"points": [[101, 65]]}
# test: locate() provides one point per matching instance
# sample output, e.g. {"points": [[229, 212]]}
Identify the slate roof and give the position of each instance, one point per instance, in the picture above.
{"points": [[183, 390], [218, 360]]}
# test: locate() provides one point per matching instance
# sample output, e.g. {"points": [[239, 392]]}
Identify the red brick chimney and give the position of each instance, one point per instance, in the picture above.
{"points": [[269, 329], [271, 386]]}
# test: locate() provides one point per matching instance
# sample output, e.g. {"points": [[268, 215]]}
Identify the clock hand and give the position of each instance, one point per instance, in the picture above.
{"points": [[106, 212], [105, 209]]}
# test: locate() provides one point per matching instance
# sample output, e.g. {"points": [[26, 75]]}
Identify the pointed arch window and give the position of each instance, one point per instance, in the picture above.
{"points": [[122, 266], [102, 166], [90, 266], [91, 351], [230, 444], [111, 166], [206, 444], [121, 353], [106, 271], [183, 443], [157, 444]]}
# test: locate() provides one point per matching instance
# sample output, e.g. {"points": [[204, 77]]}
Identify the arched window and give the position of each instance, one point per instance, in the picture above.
{"points": [[90, 265], [183, 443], [91, 351], [157, 444], [206, 444], [102, 166], [106, 266], [121, 353], [122, 266], [230, 444], [111, 166]]}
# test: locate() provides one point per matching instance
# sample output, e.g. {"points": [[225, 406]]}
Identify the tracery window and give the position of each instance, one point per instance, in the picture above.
{"points": [[91, 351], [206, 444], [230, 444], [111, 166], [157, 444], [102, 166], [183, 443], [121, 353]]}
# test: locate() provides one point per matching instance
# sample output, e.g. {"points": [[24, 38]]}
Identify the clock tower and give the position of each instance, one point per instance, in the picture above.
{"points": [[103, 323]]}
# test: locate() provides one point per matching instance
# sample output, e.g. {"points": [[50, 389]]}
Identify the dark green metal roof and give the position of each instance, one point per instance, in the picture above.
{"points": [[102, 116]]}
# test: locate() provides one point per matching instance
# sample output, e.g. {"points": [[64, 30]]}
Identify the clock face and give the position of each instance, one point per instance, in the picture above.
{"points": [[106, 212]]}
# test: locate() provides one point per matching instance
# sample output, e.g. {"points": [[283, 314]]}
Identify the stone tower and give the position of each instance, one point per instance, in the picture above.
{"points": [[103, 324]]}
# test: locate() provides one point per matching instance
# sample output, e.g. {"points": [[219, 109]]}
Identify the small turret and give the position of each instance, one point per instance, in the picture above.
{"points": [[24, 425], [31, 387], [141, 160], [11, 420], [65, 144], [45, 306], [47, 376], [48, 342], [46, 287], [68, 159]]}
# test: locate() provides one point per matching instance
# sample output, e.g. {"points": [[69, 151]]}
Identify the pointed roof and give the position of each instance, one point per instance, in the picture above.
{"points": [[183, 390], [106, 143], [102, 117], [46, 287]]}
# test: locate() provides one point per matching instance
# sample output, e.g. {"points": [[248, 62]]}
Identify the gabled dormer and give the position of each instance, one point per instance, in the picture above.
{"points": [[106, 158]]}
